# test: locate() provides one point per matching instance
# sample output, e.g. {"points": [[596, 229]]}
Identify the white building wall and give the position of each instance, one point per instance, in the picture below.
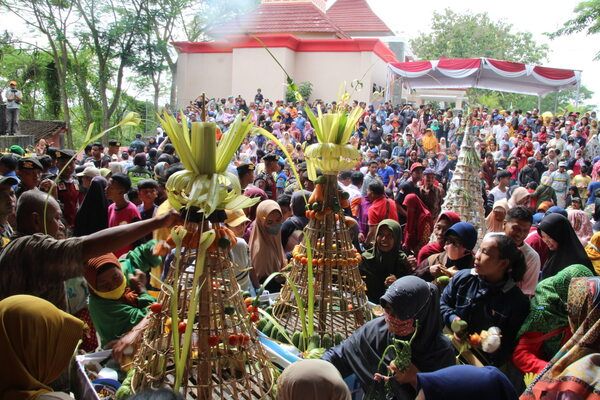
{"points": [[203, 72], [254, 68], [246, 69]]}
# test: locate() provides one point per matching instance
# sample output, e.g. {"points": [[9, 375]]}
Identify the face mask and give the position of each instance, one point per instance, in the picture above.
{"points": [[274, 229], [114, 294]]}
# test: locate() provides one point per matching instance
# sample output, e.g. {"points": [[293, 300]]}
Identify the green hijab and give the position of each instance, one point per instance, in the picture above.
{"points": [[378, 265], [393, 226], [548, 310]]}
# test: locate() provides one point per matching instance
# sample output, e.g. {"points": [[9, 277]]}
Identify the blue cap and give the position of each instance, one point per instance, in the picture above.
{"points": [[557, 210], [465, 232], [537, 218]]}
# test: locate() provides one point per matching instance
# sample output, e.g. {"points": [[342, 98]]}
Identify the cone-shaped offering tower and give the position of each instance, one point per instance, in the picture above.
{"points": [[464, 194], [324, 269], [200, 341], [339, 302]]}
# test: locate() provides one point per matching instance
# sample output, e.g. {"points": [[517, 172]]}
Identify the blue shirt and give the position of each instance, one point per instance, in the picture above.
{"points": [[385, 174], [300, 121], [592, 187]]}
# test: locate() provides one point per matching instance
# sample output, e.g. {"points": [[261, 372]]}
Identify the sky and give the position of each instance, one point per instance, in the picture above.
{"points": [[536, 16]]}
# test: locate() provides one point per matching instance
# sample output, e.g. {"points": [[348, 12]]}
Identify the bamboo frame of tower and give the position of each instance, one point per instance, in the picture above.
{"points": [[464, 195]]}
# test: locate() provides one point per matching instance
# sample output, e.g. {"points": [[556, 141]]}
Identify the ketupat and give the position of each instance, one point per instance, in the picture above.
{"points": [[205, 182]]}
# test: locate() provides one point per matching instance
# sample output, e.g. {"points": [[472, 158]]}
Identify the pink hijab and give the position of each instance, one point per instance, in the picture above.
{"points": [[581, 225], [266, 250]]}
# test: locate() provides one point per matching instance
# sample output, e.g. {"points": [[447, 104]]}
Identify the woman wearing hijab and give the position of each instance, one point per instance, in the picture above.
{"points": [[581, 225], [429, 141], [563, 244], [593, 251], [459, 241], [385, 262], [444, 221], [116, 303], [413, 128], [419, 224], [92, 216], [574, 370], [546, 328], [292, 228], [457, 383], [408, 303], [494, 222], [519, 197], [37, 342], [266, 250], [312, 380], [488, 295]]}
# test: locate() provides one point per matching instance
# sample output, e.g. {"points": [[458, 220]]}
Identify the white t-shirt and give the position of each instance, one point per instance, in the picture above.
{"points": [[352, 190], [499, 132], [499, 194]]}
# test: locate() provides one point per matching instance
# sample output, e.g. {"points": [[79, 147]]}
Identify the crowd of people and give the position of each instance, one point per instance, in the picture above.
{"points": [[79, 238]]}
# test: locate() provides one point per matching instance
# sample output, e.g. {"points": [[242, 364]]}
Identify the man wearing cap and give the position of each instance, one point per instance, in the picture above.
{"points": [[271, 167], [87, 175], [16, 149], [245, 174], [560, 182], [8, 165], [8, 204], [67, 187], [13, 104], [500, 130], [29, 171], [557, 143], [432, 194], [240, 252], [113, 148], [300, 123]]}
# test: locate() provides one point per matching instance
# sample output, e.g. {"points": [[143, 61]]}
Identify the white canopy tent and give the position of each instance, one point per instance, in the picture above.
{"points": [[483, 73]]}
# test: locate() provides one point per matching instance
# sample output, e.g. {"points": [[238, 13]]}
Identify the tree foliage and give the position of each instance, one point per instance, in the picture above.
{"points": [[587, 18], [476, 35], [98, 58], [470, 35]]}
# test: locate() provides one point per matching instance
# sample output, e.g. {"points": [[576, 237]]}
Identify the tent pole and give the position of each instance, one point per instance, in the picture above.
{"points": [[555, 102], [400, 94], [539, 107], [577, 94]]}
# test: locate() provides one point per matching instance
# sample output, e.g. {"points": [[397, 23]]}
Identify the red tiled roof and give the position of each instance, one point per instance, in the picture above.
{"points": [[280, 18], [356, 16]]}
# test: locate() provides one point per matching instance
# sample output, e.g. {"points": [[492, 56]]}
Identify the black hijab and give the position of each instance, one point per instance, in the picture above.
{"points": [[92, 216], [409, 297], [570, 250]]}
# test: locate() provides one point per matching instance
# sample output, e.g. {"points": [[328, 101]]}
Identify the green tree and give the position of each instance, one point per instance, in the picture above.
{"points": [[51, 19], [587, 18], [476, 35]]}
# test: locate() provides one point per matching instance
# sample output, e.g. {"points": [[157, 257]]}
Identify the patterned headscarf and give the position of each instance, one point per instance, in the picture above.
{"points": [[563, 371]]}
